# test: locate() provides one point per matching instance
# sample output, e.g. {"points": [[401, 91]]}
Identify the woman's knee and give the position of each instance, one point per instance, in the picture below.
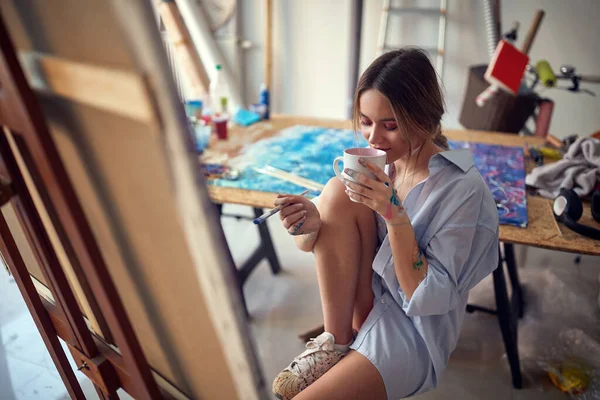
{"points": [[335, 202], [336, 207]]}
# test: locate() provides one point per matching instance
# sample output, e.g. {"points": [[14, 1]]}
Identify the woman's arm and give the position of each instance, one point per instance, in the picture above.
{"points": [[409, 262], [301, 218], [307, 241]]}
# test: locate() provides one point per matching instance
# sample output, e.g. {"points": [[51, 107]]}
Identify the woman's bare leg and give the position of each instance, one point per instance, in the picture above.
{"points": [[344, 254], [363, 301], [354, 377]]}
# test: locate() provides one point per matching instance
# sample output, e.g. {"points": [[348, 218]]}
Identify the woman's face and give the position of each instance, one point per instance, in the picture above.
{"points": [[378, 126]]}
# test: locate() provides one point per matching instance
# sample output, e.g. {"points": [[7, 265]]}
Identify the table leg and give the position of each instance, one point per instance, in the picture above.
{"points": [[508, 319], [513, 273], [508, 310], [238, 278], [267, 243], [264, 250]]}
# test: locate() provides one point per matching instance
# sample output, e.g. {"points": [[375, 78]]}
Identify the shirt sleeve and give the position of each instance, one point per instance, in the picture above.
{"points": [[458, 258]]}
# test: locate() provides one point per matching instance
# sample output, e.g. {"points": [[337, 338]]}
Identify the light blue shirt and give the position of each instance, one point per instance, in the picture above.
{"points": [[455, 220]]}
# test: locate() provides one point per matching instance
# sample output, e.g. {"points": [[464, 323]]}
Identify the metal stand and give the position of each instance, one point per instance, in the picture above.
{"points": [[508, 310], [264, 250]]}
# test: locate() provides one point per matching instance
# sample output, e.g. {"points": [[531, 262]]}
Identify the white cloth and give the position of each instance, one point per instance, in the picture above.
{"points": [[578, 170]]}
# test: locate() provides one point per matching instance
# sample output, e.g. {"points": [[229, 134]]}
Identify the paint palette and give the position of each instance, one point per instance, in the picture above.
{"points": [[309, 151]]}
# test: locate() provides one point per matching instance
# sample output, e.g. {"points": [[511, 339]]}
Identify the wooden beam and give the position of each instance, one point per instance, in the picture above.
{"points": [[73, 273], [114, 90], [17, 267], [168, 391], [46, 257], [268, 43], [179, 36]]}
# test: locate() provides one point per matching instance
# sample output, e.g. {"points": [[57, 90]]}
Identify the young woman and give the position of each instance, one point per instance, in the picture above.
{"points": [[395, 266]]}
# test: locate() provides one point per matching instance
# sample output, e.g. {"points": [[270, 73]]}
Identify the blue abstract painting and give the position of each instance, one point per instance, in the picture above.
{"points": [[503, 169], [309, 151], [306, 151]]}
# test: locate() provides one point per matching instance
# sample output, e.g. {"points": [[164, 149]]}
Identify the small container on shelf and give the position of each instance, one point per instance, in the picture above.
{"points": [[220, 125], [193, 108]]}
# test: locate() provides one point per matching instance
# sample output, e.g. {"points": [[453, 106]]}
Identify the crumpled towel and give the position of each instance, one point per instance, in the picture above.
{"points": [[578, 170]]}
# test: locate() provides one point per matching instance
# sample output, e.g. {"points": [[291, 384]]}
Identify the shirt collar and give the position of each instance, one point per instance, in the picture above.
{"points": [[462, 158]]}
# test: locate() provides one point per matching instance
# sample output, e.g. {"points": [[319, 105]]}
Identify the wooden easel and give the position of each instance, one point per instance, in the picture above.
{"points": [[24, 124], [78, 291]]}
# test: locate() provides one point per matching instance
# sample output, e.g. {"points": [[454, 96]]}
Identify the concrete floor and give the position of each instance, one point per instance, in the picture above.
{"points": [[285, 305]]}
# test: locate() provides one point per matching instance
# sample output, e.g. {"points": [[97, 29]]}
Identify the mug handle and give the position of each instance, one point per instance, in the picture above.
{"points": [[335, 167]]}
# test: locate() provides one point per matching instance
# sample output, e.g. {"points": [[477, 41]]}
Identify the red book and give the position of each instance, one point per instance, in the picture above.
{"points": [[507, 67]]}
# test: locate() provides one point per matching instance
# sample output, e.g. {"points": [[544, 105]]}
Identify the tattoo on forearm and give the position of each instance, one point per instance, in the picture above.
{"points": [[394, 198], [418, 263], [394, 201]]}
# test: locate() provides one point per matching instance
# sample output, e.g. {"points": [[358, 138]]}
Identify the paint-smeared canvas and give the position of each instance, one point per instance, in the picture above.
{"points": [[306, 151], [309, 151], [503, 169]]}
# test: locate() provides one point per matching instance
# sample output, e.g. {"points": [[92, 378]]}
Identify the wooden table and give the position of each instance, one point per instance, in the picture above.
{"points": [[542, 230]]}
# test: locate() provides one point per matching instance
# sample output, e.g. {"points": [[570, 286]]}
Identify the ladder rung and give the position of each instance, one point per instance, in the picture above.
{"points": [[418, 10], [433, 50]]}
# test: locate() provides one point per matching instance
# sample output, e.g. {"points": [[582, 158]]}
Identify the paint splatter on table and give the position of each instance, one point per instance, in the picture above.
{"points": [[309, 151]]}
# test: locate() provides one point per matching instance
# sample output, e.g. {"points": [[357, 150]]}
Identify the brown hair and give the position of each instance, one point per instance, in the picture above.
{"points": [[410, 83]]}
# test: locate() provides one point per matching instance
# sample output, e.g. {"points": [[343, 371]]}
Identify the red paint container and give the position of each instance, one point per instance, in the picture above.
{"points": [[220, 124], [206, 119]]}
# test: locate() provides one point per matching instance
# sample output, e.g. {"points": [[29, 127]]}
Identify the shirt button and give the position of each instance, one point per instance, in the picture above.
{"points": [[382, 301]]}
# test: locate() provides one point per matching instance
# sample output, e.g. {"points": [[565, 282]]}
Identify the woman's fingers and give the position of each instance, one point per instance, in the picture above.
{"points": [[364, 180], [282, 200], [296, 229], [362, 199], [288, 210], [293, 219], [363, 191], [289, 199], [379, 173], [361, 178]]}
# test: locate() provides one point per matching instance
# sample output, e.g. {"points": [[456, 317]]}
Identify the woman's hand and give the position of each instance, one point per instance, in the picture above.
{"points": [[300, 215], [378, 194]]}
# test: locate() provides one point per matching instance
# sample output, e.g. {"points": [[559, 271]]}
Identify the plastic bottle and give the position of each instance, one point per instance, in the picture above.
{"points": [[263, 98], [219, 92]]}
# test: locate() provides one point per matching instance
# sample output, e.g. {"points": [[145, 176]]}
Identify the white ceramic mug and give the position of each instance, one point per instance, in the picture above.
{"points": [[350, 160]]}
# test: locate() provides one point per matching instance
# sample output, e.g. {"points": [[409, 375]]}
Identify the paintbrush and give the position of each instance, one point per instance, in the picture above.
{"points": [[274, 211]]}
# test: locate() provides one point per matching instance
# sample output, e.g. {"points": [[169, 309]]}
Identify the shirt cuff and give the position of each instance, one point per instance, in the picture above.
{"points": [[435, 295]]}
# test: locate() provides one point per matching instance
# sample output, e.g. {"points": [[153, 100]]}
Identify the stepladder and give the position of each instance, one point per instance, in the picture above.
{"points": [[391, 12]]}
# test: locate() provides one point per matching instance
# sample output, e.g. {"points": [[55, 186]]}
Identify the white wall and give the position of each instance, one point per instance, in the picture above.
{"points": [[311, 54]]}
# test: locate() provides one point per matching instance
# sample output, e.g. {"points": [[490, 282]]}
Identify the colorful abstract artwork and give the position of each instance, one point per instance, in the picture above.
{"points": [[306, 151], [503, 169], [309, 152]]}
